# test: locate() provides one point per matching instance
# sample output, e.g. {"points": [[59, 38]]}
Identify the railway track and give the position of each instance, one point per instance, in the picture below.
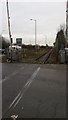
{"points": [[48, 56], [43, 58]]}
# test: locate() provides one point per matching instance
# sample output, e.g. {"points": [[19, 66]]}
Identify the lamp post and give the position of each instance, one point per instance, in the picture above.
{"points": [[45, 40], [35, 31]]}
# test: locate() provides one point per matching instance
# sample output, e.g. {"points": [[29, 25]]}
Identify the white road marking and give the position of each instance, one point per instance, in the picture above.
{"points": [[32, 77], [26, 84], [20, 95], [8, 77], [12, 74], [14, 117], [18, 101], [14, 100], [22, 108]]}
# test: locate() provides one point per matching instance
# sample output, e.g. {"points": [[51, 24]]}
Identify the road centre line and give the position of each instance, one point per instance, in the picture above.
{"points": [[18, 101], [12, 74], [27, 84], [21, 93], [32, 77], [14, 100]]}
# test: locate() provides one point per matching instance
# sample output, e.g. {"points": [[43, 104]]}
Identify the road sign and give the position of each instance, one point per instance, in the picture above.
{"points": [[19, 41]]}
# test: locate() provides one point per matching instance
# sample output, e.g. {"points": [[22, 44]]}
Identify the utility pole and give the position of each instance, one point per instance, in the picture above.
{"points": [[9, 23], [35, 31], [35, 34]]}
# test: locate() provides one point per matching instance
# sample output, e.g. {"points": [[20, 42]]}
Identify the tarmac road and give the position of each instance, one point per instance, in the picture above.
{"points": [[33, 91]]}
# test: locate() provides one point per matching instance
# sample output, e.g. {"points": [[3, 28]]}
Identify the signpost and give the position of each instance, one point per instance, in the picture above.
{"points": [[19, 41]]}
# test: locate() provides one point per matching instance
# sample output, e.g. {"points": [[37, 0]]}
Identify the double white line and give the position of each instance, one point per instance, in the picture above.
{"points": [[21, 93]]}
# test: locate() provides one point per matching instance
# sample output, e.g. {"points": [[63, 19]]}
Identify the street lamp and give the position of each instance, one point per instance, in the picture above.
{"points": [[35, 30], [45, 39]]}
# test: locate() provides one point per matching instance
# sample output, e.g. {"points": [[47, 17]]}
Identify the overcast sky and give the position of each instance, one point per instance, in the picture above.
{"points": [[49, 16]]}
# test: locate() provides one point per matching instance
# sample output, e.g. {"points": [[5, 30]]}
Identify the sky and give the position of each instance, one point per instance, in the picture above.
{"points": [[49, 17]]}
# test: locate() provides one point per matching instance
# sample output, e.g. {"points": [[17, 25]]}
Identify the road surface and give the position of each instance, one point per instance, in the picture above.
{"points": [[33, 91]]}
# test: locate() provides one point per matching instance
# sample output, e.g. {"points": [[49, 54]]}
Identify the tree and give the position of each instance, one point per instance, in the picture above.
{"points": [[4, 43], [60, 40]]}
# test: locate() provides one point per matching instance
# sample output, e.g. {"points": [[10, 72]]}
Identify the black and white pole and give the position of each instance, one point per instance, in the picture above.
{"points": [[67, 22], [10, 37]]}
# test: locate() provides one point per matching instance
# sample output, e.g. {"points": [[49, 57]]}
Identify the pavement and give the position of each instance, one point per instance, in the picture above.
{"points": [[33, 90]]}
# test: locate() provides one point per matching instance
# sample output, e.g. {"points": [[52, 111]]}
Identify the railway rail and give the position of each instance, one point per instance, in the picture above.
{"points": [[43, 58]]}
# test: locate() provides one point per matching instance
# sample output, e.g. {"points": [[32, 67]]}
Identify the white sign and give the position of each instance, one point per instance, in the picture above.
{"points": [[19, 41]]}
